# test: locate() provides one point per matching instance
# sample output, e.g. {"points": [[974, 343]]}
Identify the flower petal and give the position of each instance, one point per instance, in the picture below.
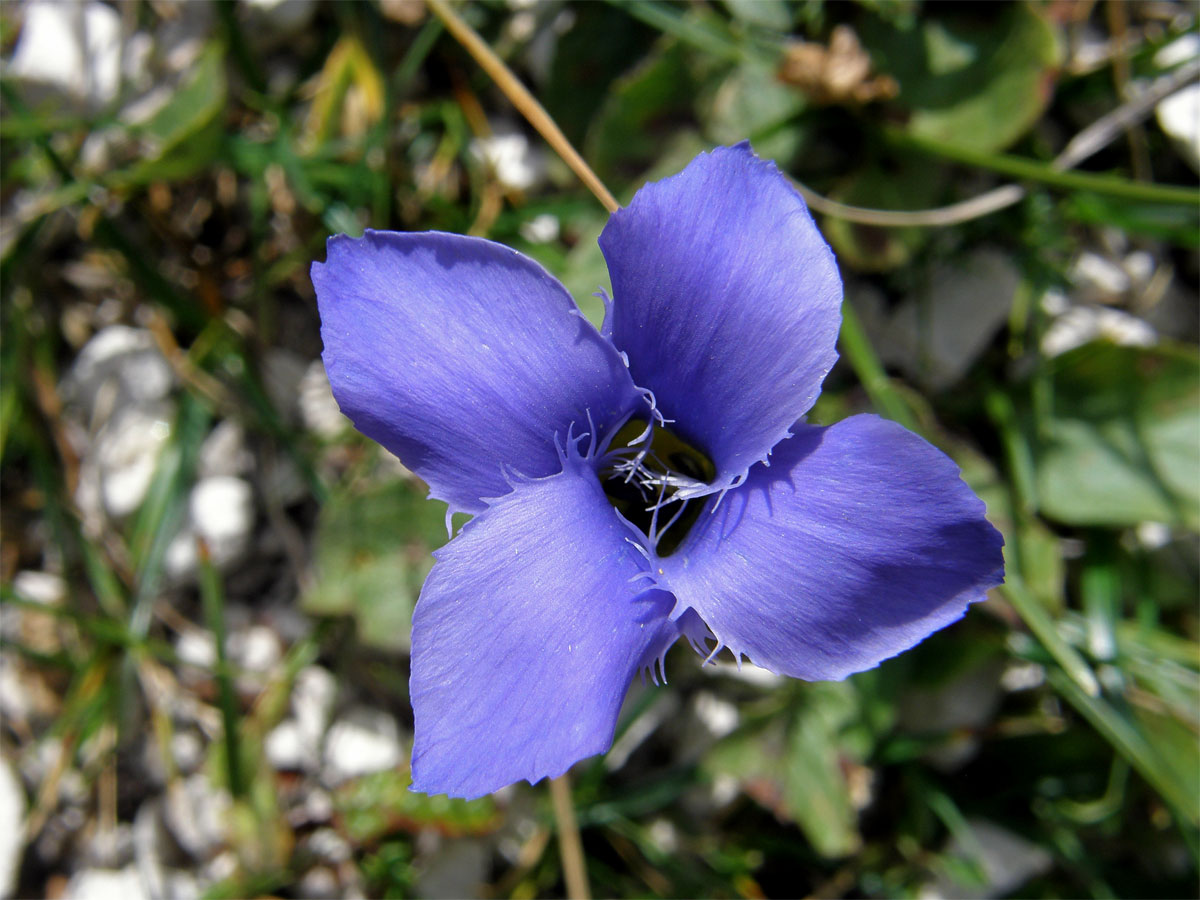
{"points": [[462, 356], [727, 301], [527, 634], [857, 542]]}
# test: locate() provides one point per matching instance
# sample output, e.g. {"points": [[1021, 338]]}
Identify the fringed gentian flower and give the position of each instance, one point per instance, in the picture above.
{"points": [[648, 481]]}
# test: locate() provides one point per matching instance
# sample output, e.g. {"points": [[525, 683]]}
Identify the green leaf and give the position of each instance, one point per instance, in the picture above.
{"points": [[379, 804], [371, 555], [186, 134], [1178, 225], [642, 109], [771, 14], [794, 766], [1122, 442], [752, 101], [975, 80]]}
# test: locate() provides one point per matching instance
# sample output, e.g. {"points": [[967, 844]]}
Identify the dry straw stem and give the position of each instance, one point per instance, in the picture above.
{"points": [[569, 845], [524, 101]]}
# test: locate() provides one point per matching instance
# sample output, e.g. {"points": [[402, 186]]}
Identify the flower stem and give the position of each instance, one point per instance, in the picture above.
{"points": [[1045, 173], [524, 101], [569, 845]]}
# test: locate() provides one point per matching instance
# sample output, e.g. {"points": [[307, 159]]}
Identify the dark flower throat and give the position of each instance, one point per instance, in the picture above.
{"points": [[643, 478]]}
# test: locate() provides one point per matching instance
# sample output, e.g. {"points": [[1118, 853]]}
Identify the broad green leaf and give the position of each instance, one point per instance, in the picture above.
{"points": [[794, 766], [978, 80], [186, 134], [1177, 225], [1121, 444], [771, 14], [642, 109], [749, 102], [374, 806], [371, 555]]}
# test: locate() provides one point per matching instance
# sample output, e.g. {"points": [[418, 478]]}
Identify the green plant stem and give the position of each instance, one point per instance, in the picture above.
{"points": [[861, 356], [1034, 615], [1044, 173], [212, 597], [1129, 742]]}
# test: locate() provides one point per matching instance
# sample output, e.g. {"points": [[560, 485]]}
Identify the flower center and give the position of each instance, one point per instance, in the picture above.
{"points": [[642, 475]]}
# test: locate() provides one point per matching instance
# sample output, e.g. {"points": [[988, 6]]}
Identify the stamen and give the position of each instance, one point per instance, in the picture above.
{"points": [[656, 467]]}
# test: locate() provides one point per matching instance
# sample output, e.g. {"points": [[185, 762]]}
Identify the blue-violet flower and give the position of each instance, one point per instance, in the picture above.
{"points": [[651, 480]]}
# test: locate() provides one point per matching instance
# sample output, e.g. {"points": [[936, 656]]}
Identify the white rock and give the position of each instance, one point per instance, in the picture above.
{"points": [[725, 788], [1179, 51], [312, 702], [719, 716], [320, 883], [329, 846], [224, 451], [45, 588], [664, 835], [1081, 324], [70, 51], [221, 509], [255, 649], [1139, 266], [119, 365], [12, 828], [516, 163], [1097, 277], [15, 702], [187, 750], [195, 647], [285, 17], [181, 38], [361, 742], [126, 455], [1022, 676], [285, 749], [106, 884], [150, 845], [541, 229], [318, 409], [1054, 302], [282, 372], [1153, 535], [195, 814], [1179, 118]]}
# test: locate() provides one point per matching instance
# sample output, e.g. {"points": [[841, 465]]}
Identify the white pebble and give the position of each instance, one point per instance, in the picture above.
{"points": [[106, 884], [12, 828], [70, 51], [541, 229], [362, 742]]}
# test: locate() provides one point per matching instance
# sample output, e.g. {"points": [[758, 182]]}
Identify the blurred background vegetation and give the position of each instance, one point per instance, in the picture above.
{"points": [[207, 577]]}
